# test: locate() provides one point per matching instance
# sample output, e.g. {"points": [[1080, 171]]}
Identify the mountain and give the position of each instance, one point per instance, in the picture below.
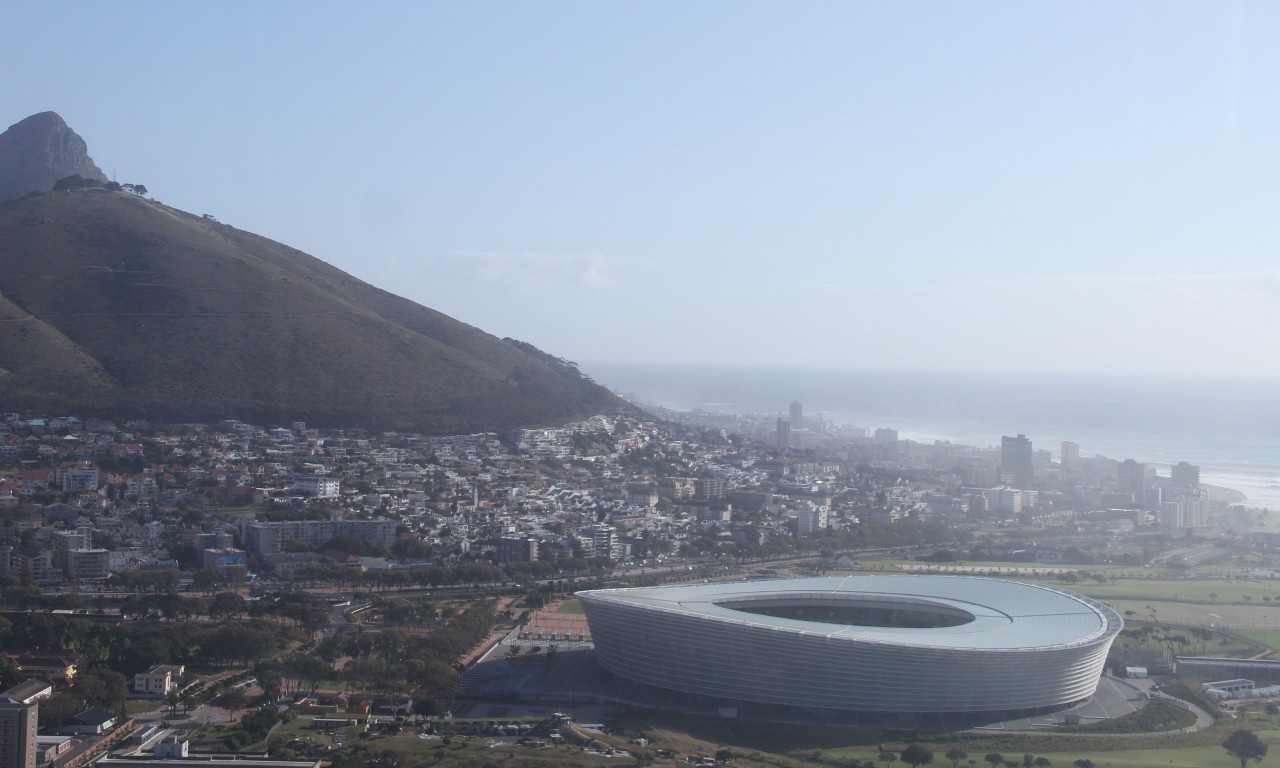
{"points": [[116, 305], [36, 152]]}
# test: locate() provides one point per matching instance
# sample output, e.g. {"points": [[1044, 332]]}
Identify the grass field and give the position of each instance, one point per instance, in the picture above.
{"points": [[137, 706], [792, 747], [570, 606], [481, 752], [1241, 604], [231, 513], [1188, 757], [799, 746]]}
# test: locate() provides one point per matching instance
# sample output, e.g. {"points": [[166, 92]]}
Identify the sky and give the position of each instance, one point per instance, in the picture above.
{"points": [[1082, 187]]}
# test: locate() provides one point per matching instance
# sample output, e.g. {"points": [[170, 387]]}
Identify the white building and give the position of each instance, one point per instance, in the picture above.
{"points": [[1011, 500], [1186, 513], [811, 518], [313, 485]]}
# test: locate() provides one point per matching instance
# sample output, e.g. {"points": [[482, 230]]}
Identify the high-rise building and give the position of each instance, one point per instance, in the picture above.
{"points": [[603, 539], [1180, 514], [18, 719], [1185, 476], [797, 413], [1011, 500], [88, 564], [810, 518], [1015, 461], [63, 543], [885, 435], [784, 434], [710, 487], [517, 549], [1070, 455], [1131, 480]]}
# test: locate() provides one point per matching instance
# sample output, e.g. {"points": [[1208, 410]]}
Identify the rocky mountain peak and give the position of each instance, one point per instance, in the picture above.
{"points": [[37, 151]]}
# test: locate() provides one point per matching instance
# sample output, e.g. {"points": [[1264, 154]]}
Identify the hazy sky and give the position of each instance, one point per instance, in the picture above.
{"points": [[1092, 187]]}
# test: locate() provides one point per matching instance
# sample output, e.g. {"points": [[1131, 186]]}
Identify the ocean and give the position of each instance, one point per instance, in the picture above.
{"points": [[1229, 427]]}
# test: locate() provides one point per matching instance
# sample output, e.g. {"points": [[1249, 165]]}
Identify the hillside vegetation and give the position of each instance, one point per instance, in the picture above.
{"points": [[114, 304]]}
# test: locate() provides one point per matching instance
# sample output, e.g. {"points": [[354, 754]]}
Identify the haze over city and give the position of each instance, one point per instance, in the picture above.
{"points": [[921, 400], [1084, 188]]}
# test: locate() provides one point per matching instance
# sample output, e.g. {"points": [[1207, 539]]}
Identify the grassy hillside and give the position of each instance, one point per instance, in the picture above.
{"points": [[115, 304]]}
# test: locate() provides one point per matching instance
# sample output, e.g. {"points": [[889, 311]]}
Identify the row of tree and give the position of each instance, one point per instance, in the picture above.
{"points": [[1244, 745], [76, 181]]}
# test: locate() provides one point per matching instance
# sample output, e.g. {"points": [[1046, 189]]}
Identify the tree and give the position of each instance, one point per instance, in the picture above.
{"points": [[1028, 760], [234, 698], [955, 755], [74, 181], [101, 687], [55, 710], [995, 758], [205, 579], [916, 755], [269, 680], [227, 604], [1043, 762], [387, 758], [10, 675], [1083, 762], [1245, 746], [887, 757]]}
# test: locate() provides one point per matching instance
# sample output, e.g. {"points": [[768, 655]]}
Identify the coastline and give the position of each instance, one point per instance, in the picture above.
{"points": [[1218, 494], [1227, 427], [1215, 494]]}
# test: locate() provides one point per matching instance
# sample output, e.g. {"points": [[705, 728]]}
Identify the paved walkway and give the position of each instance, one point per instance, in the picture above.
{"points": [[1115, 697]]}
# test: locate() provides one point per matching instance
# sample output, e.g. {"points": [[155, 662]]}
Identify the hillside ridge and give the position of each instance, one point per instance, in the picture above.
{"points": [[120, 305]]}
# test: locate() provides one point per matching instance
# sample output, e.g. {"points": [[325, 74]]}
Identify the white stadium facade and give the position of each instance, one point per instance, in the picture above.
{"points": [[877, 644]]}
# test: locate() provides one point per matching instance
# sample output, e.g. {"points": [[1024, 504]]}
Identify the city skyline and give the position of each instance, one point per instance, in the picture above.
{"points": [[1077, 188]]}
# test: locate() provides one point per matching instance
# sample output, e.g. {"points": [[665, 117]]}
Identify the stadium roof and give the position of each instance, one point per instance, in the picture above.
{"points": [[1005, 615]]}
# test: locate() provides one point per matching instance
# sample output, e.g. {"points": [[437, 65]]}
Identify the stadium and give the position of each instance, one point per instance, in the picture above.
{"points": [[878, 644]]}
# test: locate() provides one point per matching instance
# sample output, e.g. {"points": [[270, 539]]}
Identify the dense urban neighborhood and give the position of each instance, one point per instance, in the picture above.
{"points": [[161, 582], [95, 505]]}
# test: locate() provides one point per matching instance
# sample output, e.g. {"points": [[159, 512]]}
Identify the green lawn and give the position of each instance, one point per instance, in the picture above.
{"points": [[800, 747], [1192, 601], [136, 706], [1187, 757], [1197, 614], [231, 513], [1162, 587], [300, 728], [767, 746], [570, 606], [462, 751]]}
